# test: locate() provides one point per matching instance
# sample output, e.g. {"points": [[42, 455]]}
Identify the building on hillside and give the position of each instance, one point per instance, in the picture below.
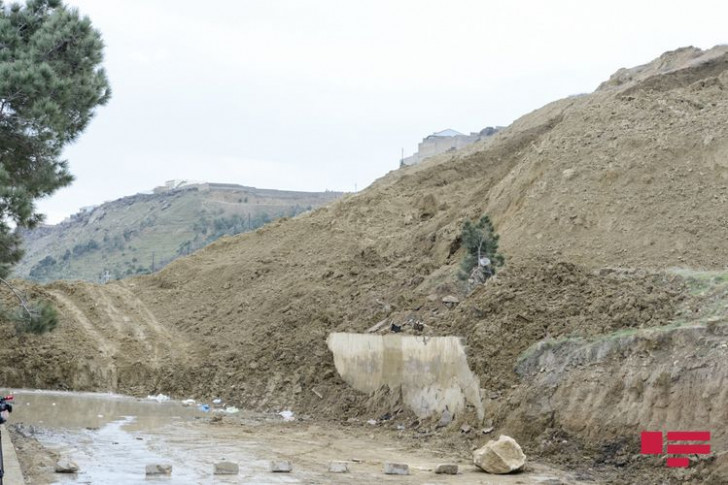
{"points": [[176, 184], [444, 141]]}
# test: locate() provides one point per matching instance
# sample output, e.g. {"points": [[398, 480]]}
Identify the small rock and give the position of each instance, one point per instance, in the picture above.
{"points": [[283, 466], [225, 468], [500, 456], [157, 469], [465, 428], [66, 465], [445, 419], [446, 469], [451, 301], [338, 467], [396, 469], [487, 430]]}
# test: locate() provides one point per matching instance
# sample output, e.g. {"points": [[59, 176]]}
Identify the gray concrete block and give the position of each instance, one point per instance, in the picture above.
{"points": [[281, 466], [446, 469], [157, 469], [338, 467], [396, 469], [226, 468]]}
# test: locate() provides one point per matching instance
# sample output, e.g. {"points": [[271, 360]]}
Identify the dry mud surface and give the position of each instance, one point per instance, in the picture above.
{"points": [[596, 197]]}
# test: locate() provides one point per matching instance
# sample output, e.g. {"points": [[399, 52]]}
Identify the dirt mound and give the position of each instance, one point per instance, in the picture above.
{"points": [[687, 65], [107, 339], [530, 302]]}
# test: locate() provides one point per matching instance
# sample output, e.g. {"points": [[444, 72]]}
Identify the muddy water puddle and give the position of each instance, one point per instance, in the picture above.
{"points": [[112, 438]]}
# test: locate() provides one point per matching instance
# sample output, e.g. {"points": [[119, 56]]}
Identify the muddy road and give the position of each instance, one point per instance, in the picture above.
{"points": [[113, 437]]}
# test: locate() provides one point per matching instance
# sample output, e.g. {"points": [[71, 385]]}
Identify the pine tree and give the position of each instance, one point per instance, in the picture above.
{"points": [[51, 81], [480, 241]]}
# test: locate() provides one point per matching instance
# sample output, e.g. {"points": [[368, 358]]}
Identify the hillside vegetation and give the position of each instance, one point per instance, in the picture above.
{"points": [[143, 233]]}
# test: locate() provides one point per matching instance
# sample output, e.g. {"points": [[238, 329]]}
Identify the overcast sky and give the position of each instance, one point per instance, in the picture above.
{"points": [[324, 94]]}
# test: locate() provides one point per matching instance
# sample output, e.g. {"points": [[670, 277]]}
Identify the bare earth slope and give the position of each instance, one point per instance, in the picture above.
{"points": [[634, 175]]}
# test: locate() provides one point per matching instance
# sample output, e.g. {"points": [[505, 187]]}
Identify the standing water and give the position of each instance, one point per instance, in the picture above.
{"points": [[112, 438]]}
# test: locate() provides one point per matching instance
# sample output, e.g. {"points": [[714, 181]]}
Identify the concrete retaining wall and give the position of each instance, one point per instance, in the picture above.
{"points": [[13, 475], [432, 372]]}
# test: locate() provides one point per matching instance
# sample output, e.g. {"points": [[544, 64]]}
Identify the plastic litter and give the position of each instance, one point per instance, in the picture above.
{"points": [[158, 398], [188, 402], [205, 408], [287, 415]]}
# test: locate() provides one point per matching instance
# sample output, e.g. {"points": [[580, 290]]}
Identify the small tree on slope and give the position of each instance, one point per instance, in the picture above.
{"points": [[481, 244]]}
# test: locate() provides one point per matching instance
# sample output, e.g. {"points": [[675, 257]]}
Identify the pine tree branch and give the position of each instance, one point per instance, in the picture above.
{"points": [[17, 295]]}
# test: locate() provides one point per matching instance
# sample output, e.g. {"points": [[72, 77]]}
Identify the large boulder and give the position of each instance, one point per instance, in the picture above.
{"points": [[500, 456]]}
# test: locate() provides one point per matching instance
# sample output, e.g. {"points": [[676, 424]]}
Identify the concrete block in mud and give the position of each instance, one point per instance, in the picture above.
{"points": [[281, 466], [338, 467], [432, 373], [446, 469], [225, 468], [157, 469], [396, 469]]}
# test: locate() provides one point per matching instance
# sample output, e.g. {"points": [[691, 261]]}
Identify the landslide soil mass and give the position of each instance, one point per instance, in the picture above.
{"points": [[595, 197]]}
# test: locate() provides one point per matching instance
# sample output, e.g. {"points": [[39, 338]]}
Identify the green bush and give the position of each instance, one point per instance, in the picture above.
{"points": [[479, 240], [39, 318]]}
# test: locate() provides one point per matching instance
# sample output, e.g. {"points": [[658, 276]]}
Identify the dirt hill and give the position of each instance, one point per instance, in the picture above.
{"points": [[143, 233], [595, 198]]}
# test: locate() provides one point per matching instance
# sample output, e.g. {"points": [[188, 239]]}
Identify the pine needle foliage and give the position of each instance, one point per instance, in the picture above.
{"points": [[51, 81], [480, 241], [37, 318]]}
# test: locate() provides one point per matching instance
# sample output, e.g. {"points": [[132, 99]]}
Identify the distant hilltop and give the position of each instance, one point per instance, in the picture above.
{"points": [[142, 233], [444, 141]]}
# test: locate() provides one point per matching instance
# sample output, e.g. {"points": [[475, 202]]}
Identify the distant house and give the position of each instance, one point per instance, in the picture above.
{"points": [[443, 141], [176, 184]]}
